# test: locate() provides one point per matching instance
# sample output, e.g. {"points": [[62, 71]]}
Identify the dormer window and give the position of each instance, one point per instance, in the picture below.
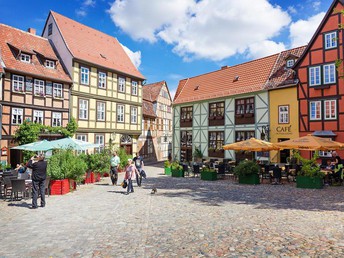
{"points": [[290, 63], [25, 58], [50, 64]]}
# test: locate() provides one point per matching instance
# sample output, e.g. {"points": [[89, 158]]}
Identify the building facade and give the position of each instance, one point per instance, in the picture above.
{"points": [[34, 86], [155, 142], [106, 97]]}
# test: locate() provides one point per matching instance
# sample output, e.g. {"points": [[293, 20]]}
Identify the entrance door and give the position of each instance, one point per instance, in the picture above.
{"points": [[128, 148], [127, 144], [284, 154]]}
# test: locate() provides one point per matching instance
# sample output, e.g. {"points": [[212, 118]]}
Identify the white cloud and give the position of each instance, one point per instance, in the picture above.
{"points": [[265, 48], [135, 57], [316, 5], [302, 31], [210, 29], [292, 10], [89, 3], [82, 11]]}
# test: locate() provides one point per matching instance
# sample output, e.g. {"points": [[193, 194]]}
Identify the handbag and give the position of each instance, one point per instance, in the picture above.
{"points": [[124, 184]]}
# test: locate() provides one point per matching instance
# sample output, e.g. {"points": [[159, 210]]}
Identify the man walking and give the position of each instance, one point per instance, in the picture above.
{"points": [[114, 164], [138, 160], [39, 175]]}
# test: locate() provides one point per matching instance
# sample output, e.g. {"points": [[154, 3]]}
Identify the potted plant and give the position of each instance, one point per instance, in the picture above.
{"points": [[59, 184], [177, 169], [76, 169], [167, 168], [208, 174], [198, 155], [248, 172], [309, 175]]}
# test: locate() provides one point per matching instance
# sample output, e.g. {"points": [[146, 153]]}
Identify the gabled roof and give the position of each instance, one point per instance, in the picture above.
{"points": [[322, 24], [239, 79], [281, 75], [93, 46], [151, 91], [14, 41], [148, 109]]}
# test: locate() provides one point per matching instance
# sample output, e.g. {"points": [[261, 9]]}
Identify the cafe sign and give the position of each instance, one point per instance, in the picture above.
{"points": [[284, 129]]}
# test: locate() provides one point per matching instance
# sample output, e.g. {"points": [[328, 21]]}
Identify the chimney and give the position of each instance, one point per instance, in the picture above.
{"points": [[224, 67], [32, 31]]}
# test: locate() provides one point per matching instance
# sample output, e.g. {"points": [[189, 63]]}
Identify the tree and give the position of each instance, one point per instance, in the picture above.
{"points": [[27, 132]]}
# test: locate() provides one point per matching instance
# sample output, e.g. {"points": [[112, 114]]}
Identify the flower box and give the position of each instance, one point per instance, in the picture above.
{"points": [[219, 117], [252, 179], [208, 176], [177, 173], [59, 187], [72, 184], [309, 182], [239, 115], [168, 171], [248, 115]]}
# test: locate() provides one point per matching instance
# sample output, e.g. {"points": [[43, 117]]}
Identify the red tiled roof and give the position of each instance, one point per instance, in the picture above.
{"points": [[148, 109], [151, 91], [13, 40], [95, 47], [281, 75], [243, 78]]}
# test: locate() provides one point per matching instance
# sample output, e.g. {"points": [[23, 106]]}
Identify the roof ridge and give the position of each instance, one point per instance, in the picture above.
{"points": [[23, 31]]}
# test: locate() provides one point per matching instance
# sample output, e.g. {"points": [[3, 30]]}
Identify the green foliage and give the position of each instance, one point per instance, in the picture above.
{"points": [[310, 167], [167, 164], [208, 170], [71, 127], [175, 165], [123, 157], [98, 162], [246, 167], [198, 153]]}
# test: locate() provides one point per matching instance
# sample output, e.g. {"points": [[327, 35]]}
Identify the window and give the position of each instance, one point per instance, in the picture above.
{"points": [[216, 140], [57, 90], [25, 58], [314, 76], [39, 87], [290, 63], [120, 113], [82, 137], [83, 109], [57, 119], [330, 40], [186, 113], [315, 110], [329, 73], [243, 135], [330, 109], [17, 116], [216, 109], [85, 74], [244, 106], [102, 80], [134, 88], [283, 114], [18, 83], [133, 115], [101, 111], [50, 64], [50, 29], [38, 116], [100, 141], [121, 84]]}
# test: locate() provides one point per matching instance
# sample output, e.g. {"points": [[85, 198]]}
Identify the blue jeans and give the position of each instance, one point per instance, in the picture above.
{"points": [[130, 188]]}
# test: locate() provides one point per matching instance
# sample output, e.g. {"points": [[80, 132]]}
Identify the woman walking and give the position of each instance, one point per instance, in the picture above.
{"points": [[130, 173]]}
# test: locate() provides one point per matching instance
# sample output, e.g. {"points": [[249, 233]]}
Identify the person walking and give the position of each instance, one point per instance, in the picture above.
{"points": [[138, 161], [114, 165], [130, 171], [39, 175]]}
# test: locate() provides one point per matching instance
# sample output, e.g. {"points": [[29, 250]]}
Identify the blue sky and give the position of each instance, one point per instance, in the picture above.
{"points": [[175, 39]]}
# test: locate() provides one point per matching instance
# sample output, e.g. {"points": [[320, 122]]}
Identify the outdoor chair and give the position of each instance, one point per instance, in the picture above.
{"points": [[14, 173], [7, 186], [18, 186], [196, 170], [221, 171]]}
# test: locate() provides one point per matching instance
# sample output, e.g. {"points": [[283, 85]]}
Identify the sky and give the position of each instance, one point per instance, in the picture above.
{"points": [[176, 39]]}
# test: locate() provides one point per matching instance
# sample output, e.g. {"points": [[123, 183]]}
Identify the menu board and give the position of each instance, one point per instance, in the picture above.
{"points": [[28, 85], [49, 88]]}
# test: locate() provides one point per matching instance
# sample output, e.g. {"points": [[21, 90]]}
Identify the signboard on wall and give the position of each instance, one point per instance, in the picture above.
{"points": [[28, 84]]}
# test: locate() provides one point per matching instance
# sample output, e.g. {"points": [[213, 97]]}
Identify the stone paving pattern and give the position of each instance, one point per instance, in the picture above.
{"points": [[187, 217]]}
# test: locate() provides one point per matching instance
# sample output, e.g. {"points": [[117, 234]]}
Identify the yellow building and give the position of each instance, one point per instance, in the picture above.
{"points": [[106, 97]]}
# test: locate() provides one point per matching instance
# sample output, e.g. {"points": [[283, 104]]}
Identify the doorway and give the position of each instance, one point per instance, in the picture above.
{"points": [[127, 144], [284, 154]]}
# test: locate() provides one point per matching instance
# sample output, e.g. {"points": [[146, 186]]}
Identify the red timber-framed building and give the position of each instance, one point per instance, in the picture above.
{"points": [[321, 82]]}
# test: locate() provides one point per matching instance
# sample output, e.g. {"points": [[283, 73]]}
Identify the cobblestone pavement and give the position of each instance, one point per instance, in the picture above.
{"points": [[187, 217]]}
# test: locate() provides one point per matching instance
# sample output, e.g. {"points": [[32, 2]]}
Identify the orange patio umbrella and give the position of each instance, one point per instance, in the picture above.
{"points": [[310, 142], [251, 144]]}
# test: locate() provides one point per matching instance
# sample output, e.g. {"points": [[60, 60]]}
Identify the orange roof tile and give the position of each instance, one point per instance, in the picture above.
{"points": [[151, 91], [95, 47], [148, 109], [243, 78], [13, 40]]}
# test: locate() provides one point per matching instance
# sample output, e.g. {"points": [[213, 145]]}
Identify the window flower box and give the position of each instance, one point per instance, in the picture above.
{"points": [[219, 117], [211, 117], [238, 115], [248, 115]]}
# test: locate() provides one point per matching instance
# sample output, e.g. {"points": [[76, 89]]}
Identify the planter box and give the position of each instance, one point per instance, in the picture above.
{"points": [[168, 171], [72, 184], [249, 179], [209, 176], [309, 182], [97, 177], [177, 173], [106, 174], [59, 187], [89, 178]]}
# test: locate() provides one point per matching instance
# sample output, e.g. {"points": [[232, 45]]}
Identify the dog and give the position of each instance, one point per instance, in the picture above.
{"points": [[154, 190]]}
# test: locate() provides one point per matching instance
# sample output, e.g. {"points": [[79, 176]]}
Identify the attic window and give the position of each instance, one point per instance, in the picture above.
{"points": [[25, 58], [103, 56], [290, 63], [50, 64], [236, 78], [196, 88]]}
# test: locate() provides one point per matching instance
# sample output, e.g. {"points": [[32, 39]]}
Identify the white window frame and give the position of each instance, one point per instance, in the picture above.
{"points": [[50, 64], [283, 115], [99, 139], [120, 113], [57, 90], [327, 104], [133, 115], [84, 75], [121, 84], [82, 137], [102, 80], [290, 63], [18, 83], [25, 58], [17, 116], [313, 72], [330, 40], [56, 119], [39, 115], [83, 109], [39, 87], [317, 105], [101, 106], [134, 87], [329, 73]]}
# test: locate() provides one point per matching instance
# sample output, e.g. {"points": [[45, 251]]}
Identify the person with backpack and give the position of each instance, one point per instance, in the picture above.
{"points": [[138, 161]]}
